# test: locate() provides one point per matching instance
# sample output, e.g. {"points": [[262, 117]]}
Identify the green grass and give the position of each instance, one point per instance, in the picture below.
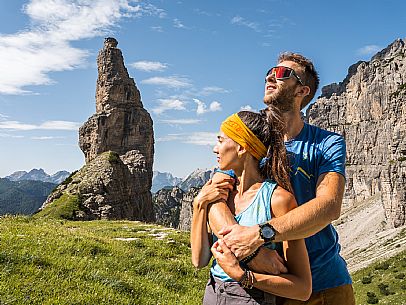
{"points": [[49, 261], [62, 208], [383, 281]]}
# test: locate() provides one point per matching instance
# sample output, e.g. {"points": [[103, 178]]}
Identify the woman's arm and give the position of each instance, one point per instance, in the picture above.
{"points": [[199, 235], [297, 283]]}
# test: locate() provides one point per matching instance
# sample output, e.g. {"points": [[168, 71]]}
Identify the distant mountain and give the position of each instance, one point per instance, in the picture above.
{"points": [[39, 175], [23, 197], [162, 180], [196, 179]]}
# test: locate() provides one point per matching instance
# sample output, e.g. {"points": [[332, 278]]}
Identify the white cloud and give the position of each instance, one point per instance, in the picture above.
{"points": [[178, 24], [202, 138], [213, 89], [169, 104], [202, 107], [48, 125], [238, 20], [170, 81], [30, 55], [6, 135], [149, 66], [247, 108], [181, 121], [157, 29], [369, 50], [46, 138], [196, 138]]}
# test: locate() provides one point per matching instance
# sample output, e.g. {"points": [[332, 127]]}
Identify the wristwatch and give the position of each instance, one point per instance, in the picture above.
{"points": [[267, 232]]}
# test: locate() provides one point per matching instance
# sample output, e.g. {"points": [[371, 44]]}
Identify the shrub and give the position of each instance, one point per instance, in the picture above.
{"points": [[366, 279], [400, 276], [372, 299], [384, 289], [113, 157], [382, 266]]}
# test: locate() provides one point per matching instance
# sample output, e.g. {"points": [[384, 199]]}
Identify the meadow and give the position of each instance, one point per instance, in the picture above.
{"points": [[52, 261]]}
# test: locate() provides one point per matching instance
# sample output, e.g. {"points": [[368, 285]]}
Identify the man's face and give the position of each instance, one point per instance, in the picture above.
{"points": [[281, 93]]}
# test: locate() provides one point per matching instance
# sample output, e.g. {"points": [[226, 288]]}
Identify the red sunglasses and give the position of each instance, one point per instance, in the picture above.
{"points": [[282, 72]]}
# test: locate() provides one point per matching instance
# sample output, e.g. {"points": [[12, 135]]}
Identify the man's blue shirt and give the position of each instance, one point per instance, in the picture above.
{"points": [[311, 153]]}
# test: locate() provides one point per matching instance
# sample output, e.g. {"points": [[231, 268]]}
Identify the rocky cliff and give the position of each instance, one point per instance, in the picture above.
{"points": [[173, 207], [369, 108], [118, 144]]}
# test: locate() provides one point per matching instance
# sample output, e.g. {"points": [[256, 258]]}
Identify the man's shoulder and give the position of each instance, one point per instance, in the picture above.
{"points": [[318, 134]]}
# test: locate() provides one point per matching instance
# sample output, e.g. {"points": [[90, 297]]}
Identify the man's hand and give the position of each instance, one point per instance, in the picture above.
{"points": [[268, 262], [227, 260], [241, 240]]}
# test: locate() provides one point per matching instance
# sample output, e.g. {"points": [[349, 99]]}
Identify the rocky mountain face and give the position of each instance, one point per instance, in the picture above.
{"points": [[369, 109], [118, 144], [196, 179], [39, 175], [173, 207], [161, 180]]}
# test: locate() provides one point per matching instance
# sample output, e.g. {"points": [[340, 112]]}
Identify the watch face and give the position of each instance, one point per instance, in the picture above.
{"points": [[267, 232]]}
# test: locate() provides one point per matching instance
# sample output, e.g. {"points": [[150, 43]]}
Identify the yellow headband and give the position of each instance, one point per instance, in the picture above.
{"points": [[236, 130]]}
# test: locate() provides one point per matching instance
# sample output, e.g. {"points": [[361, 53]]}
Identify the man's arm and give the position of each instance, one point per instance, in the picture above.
{"points": [[302, 222], [314, 215]]}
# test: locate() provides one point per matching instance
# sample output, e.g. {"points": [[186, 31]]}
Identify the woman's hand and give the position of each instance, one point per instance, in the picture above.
{"points": [[213, 191], [227, 260]]}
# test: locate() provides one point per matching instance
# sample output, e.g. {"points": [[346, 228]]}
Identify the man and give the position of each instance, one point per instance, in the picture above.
{"points": [[317, 160]]}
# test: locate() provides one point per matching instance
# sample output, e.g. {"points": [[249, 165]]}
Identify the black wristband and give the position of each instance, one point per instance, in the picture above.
{"points": [[250, 257]]}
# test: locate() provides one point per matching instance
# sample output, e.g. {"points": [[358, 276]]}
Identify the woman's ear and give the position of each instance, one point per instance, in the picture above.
{"points": [[240, 151]]}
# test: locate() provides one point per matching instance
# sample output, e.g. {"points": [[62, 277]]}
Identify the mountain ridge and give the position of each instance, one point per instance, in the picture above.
{"points": [[39, 175]]}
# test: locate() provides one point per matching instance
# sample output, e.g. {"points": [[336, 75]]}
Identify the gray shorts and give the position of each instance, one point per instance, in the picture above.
{"points": [[231, 293]]}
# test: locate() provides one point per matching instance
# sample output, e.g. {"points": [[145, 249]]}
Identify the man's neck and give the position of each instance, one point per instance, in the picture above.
{"points": [[294, 124]]}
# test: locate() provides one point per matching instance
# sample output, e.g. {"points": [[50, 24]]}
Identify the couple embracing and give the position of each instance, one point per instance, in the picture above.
{"points": [[266, 214]]}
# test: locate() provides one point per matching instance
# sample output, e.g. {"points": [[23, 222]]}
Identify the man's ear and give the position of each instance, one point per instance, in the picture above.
{"points": [[303, 91]]}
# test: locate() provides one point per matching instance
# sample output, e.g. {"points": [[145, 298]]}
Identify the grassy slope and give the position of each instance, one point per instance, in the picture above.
{"points": [[48, 261], [386, 280]]}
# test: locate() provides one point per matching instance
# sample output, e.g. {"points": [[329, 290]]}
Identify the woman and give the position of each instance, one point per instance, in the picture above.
{"points": [[261, 193]]}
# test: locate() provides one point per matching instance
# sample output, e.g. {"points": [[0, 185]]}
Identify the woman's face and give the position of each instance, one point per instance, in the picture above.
{"points": [[227, 152]]}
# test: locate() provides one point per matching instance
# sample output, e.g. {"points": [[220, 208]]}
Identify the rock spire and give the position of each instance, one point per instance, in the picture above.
{"points": [[118, 144]]}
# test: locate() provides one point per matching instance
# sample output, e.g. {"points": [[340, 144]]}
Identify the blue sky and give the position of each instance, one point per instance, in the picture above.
{"points": [[195, 63]]}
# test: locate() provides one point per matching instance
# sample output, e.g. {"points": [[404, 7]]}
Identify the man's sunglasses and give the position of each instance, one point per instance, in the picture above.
{"points": [[282, 72]]}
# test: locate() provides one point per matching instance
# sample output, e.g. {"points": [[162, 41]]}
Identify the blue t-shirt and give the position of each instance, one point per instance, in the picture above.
{"points": [[259, 211], [311, 153]]}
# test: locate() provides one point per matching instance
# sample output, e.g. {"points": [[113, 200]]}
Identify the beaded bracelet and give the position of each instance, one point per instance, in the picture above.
{"points": [[247, 280], [250, 257]]}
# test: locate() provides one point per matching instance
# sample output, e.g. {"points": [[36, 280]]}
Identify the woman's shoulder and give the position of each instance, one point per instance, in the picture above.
{"points": [[282, 201]]}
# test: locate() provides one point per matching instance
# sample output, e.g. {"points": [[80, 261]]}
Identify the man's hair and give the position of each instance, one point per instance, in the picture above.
{"points": [[308, 74]]}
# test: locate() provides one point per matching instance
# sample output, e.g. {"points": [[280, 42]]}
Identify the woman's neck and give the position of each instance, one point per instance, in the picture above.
{"points": [[248, 177]]}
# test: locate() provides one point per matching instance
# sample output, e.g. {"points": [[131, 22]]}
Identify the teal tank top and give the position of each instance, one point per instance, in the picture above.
{"points": [[259, 211]]}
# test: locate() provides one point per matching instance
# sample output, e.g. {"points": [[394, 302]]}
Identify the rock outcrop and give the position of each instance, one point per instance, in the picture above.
{"points": [[369, 109], [173, 207], [118, 144]]}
